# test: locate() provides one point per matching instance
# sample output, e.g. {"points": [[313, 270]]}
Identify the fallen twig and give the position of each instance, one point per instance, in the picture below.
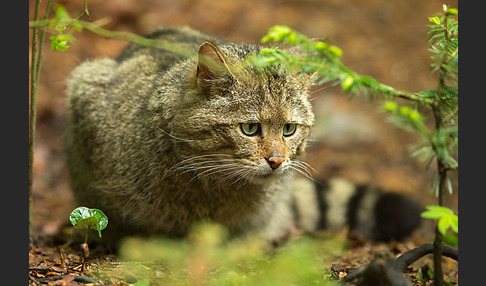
{"points": [[39, 268], [385, 268], [411, 256], [77, 278]]}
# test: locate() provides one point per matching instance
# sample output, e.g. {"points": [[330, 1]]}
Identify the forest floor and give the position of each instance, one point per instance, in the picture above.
{"points": [[351, 139], [56, 260]]}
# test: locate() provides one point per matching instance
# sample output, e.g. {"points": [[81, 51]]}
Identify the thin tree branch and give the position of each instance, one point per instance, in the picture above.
{"points": [[37, 49], [392, 269], [411, 256], [41, 42], [32, 112], [77, 278], [441, 166], [121, 35]]}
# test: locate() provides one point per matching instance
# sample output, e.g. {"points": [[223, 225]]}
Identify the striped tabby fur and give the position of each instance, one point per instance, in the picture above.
{"points": [[160, 141]]}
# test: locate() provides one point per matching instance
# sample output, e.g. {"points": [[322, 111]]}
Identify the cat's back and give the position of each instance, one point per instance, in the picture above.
{"points": [[177, 43], [106, 87], [137, 61]]}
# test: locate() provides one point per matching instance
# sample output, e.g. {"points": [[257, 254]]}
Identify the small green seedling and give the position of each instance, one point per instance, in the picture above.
{"points": [[445, 217], [86, 218]]}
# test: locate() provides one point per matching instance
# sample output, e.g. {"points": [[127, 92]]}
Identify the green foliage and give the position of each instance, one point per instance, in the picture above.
{"points": [[319, 58], [445, 217], [86, 218], [61, 26], [322, 60], [426, 272], [444, 40], [447, 222], [206, 257], [143, 282]]}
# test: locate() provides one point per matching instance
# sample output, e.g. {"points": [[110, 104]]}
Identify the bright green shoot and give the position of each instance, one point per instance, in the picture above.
{"points": [[86, 218]]}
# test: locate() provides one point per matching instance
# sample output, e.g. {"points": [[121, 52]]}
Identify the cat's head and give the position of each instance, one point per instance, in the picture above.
{"points": [[241, 124]]}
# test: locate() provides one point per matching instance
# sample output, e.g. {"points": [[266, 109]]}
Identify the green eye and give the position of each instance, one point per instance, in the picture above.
{"points": [[289, 129], [250, 129]]}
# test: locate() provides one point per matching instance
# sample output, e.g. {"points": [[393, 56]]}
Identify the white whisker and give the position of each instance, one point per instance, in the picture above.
{"points": [[244, 177], [237, 177], [177, 138], [307, 165], [287, 176], [302, 168], [200, 165], [215, 169], [223, 167]]}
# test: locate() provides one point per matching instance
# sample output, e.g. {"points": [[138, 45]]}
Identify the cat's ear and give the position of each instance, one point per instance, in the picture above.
{"points": [[211, 63]]}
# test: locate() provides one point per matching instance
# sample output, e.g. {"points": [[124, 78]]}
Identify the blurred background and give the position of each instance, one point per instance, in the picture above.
{"points": [[385, 39]]}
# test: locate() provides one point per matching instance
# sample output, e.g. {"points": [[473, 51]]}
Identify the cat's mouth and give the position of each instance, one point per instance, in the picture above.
{"points": [[260, 179], [263, 176]]}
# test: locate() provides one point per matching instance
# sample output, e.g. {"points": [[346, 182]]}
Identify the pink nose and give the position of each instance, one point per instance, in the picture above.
{"points": [[275, 162]]}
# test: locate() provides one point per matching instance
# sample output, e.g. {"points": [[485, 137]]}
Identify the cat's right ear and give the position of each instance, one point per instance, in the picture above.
{"points": [[211, 63]]}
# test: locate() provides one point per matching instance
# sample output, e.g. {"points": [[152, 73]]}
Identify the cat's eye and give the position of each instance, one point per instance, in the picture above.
{"points": [[250, 129], [289, 129]]}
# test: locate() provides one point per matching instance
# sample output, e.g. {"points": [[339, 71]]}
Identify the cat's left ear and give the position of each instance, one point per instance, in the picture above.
{"points": [[211, 63]]}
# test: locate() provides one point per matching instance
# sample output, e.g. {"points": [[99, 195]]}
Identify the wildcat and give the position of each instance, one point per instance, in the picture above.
{"points": [[161, 141]]}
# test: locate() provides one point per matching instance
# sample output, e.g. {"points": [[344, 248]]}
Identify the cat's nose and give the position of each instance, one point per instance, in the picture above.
{"points": [[275, 162]]}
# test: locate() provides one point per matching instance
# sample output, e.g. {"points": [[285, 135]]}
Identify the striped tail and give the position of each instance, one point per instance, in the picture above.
{"points": [[371, 212]]}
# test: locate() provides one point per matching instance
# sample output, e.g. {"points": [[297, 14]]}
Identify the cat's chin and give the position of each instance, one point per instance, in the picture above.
{"points": [[264, 178]]}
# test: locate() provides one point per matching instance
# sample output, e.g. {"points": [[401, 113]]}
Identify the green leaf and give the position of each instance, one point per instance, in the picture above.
{"points": [[321, 46], [57, 44], [65, 38], [277, 33], [450, 239], [86, 218], [336, 51], [455, 223], [390, 106], [443, 224], [415, 116], [404, 110], [436, 212], [452, 11], [445, 217], [347, 83], [434, 20], [61, 19]]}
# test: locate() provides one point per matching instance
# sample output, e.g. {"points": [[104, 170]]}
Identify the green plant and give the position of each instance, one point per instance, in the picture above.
{"points": [[445, 217], [438, 143], [446, 220], [206, 257], [87, 219], [36, 61], [62, 27]]}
